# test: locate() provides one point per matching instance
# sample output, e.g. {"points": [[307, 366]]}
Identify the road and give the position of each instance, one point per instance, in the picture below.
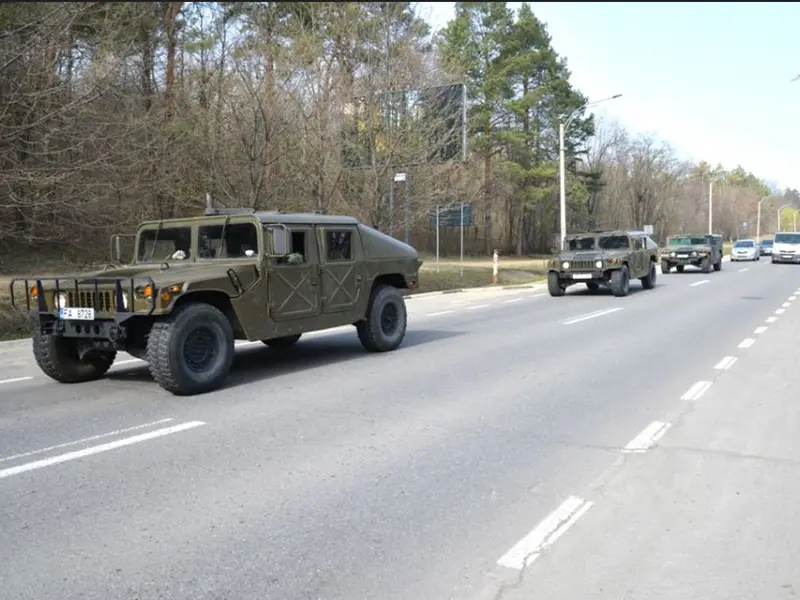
{"points": [[517, 446]]}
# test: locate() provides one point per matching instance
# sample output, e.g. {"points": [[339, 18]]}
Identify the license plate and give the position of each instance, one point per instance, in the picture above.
{"points": [[683, 256], [76, 314], [581, 275]]}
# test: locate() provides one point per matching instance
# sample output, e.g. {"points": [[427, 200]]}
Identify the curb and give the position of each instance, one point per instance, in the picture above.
{"points": [[521, 286]]}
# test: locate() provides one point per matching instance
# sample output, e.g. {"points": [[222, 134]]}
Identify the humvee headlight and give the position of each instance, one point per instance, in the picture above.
{"points": [[565, 264], [168, 292], [672, 254], [599, 264], [61, 300], [694, 253], [144, 291]]}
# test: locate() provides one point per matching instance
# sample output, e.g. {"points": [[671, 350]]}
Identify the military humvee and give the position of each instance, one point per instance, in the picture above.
{"points": [[195, 285], [702, 250], [607, 258]]}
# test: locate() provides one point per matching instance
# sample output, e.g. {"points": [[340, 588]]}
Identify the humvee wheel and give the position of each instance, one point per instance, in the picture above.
{"points": [[665, 267], [57, 357], [282, 342], [718, 265], [679, 268], [620, 282], [384, 326], [554, 284], [706, 266], [649, 280], [191, 351], [592, 286]]}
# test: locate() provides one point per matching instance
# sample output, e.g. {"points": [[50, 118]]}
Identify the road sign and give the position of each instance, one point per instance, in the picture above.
{"points": [[451, 216], [648, 229], [744, 225]]}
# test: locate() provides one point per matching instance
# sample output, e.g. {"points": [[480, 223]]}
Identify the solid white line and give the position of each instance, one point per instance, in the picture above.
{"points": [[55, 460], [792, 298], [696, 391], [726, 363], [786, 304], [545, 533], [477, 306], [512, 300], [760, 330], [128, 361], [440, 313], [647, 437], [780, 311], [746, 343], [84, 440], [771, 319], [15, 380], [701, 282], [599, 313], [743, 270]]}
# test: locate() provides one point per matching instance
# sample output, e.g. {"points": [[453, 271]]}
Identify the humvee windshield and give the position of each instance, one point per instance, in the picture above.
{"points": [[687, 241], [161, 244], [582, 243], [614, 242]]}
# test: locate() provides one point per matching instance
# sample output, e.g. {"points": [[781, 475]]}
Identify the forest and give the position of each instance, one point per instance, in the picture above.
{"points": [[113, 113]]}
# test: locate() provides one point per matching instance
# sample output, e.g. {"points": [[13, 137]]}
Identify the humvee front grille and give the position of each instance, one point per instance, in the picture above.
{"points": [[106, 300], [581, 264]]}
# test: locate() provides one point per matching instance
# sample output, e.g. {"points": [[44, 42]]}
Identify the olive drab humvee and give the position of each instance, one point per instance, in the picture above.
{"points": [[197, 284], [604, 258], [701, 250]]}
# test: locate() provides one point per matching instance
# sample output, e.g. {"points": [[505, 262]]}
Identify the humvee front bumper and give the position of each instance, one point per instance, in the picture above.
{"points": [[596, 275], [683, 259], [84, 307]]}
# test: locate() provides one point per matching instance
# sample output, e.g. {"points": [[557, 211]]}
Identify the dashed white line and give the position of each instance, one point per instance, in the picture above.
{"points": [[128, 361], [477, 306], [780, 311], [440, 313], [647, 437], [15, 379], [591, 315], [696, 391], [786, 304], [771, 319], [746, 343], [743, 270], [792, 298], [55, 460], [701, 282], [512, 300], [529, 548], [760, 330], [726, 363], [86, 439]]}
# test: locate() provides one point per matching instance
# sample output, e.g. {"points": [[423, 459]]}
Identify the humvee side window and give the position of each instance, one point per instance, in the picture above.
{"points": [[297, 250], [338, 245], [167, 243], [637, 243], [241, 241]]}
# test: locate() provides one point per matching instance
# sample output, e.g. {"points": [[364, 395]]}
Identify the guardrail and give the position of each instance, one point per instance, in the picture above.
{"points": [[91, 288]]}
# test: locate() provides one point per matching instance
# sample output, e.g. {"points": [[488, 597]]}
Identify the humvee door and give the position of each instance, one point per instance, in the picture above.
{"points": [[294, 278], [341, 267]]}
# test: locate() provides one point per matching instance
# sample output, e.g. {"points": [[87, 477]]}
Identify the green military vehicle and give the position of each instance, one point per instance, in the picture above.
{"points": [[604, 258], [197, 284], [702, 250]]}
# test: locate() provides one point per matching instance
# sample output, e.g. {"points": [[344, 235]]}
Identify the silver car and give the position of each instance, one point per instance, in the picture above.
{"points": [[745, 250]]}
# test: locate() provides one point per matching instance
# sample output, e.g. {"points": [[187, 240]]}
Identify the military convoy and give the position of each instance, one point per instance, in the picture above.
{"points": [[702, 250], [604, 258], [196, 285]]}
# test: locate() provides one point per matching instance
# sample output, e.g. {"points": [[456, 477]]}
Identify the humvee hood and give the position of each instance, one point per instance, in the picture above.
{"points": [[176, 273], [688, 248], [379, 246], [591, 254]]}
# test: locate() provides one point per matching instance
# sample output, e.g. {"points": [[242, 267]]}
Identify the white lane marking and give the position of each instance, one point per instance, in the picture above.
{"points": [[440, 313], [592, 315], [780, 311], [792, 298], [701, 282], [86, 439], [545, 533], [128, 361], [696, 391], [743, 270], [15, 379], [746, 343], [771, 319], [786, 305], [726, 363], [55, 460], [512, 300], [647, 437], [477, 306], [760, 330]]}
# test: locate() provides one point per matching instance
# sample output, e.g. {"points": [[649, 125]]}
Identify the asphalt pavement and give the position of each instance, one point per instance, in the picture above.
{"points": [[516, 446]]}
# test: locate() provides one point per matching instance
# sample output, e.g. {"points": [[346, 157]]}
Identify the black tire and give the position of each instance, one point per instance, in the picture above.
{"points": [[680, 268], [649, 281], [57, 357], [384, 327], [554, 285], [592, 286], [282, 342], [620, 282], [706, 266], [166, 349], [664, 267], [718, 265]]}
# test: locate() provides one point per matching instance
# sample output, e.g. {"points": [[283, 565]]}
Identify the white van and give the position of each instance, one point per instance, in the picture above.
{"points": [[786, 247]]}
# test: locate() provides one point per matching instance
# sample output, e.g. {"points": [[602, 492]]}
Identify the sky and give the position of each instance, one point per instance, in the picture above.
{"points": [[712, 79]]}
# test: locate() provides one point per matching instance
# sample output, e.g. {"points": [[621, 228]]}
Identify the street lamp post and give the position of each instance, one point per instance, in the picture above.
{"points": [[562, 128], [758, 219], [711, 183], [780, 210]]}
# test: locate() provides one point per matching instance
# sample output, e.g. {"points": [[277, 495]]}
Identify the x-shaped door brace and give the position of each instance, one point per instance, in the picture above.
{"points": [[295, 289], [340, 284]]}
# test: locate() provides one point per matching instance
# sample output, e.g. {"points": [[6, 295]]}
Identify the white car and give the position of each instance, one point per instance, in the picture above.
{"points": [[745, 250], [786, 247]]}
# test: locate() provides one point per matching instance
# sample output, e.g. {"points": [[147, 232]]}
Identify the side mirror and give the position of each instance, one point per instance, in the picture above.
{"points": [[116, 248], [278, 241]]}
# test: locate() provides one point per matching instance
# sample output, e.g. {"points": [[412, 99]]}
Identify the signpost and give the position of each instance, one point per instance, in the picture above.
{"points": [[459, 215]]}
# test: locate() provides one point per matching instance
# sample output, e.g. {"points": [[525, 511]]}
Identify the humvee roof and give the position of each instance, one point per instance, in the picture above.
{"points": [[268, 217]]}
